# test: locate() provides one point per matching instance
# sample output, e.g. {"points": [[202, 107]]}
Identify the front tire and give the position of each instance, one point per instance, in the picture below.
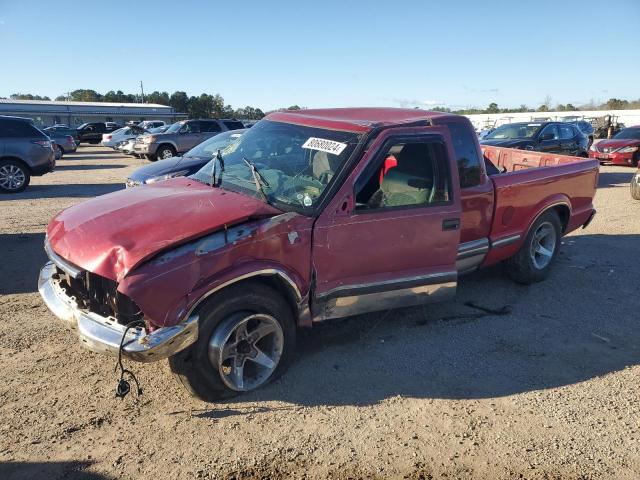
{"points": [[165, 151], [535, 258], [14, 176], [246, 339]]}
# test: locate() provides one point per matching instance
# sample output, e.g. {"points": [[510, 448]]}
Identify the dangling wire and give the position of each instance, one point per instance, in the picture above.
{"points": [[123, 388]]}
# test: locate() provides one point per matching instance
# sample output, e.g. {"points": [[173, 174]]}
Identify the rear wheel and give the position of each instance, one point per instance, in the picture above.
{"points": [[14, 176], [246, 339], [533, 261]]}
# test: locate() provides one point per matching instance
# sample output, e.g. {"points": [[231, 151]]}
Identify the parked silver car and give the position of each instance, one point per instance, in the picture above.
{"points": [[25, 151], [120, 135], [182, 137]]}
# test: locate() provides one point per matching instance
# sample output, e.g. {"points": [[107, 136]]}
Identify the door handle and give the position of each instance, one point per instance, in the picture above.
{"points": [[450, 224]]}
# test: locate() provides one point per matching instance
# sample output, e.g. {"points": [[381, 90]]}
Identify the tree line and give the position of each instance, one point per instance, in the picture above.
{"points": [[547, 106], [201, 106], [213, 106]]}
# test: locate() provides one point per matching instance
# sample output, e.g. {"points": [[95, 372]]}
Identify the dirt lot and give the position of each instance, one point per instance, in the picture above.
{"points": [[548, 390]]}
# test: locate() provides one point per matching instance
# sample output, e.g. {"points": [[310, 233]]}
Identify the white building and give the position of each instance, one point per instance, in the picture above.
{"points": [[46, 113], [482, 121]]}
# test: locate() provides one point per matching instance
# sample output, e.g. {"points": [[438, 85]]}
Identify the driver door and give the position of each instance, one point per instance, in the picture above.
{"points": [[551, 144], [389, 238]]}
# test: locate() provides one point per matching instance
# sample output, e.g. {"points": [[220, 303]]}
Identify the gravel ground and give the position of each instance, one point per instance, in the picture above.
{"points": [[547, 390]]}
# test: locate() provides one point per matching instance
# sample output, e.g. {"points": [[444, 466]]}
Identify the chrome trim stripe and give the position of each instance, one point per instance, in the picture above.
{"points": [[346, 306], [473, 248], [501, 242], [379, 287], [257, 273], [60, 262]]}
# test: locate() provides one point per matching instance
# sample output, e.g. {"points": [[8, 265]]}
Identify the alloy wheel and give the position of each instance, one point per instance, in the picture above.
{"points": [[12, 177], [543, 245], [246, 350]]}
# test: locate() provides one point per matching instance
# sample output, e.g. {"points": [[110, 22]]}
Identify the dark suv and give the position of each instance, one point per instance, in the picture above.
{"points": [[182, 137], [546, 137], [25, 151], [92, 132]]}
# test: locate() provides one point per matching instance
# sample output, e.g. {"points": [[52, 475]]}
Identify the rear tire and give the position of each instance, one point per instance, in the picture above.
{"points": [[535, 258], [207, 369], [14, 176]]}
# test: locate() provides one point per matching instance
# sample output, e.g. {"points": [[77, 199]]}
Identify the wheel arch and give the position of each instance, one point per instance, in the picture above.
{"points": [[272, 277], [167, 143], [562, 207], [17, 159]]}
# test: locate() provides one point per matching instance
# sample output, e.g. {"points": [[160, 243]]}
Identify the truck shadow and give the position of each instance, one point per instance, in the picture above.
{"points": [[64, 190], [579, 324], [33, 470], [22, 257], [615, 179], [89, 167]]}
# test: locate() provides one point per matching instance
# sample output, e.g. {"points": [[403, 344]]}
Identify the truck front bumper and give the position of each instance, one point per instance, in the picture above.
{"points": [[104, 335]]}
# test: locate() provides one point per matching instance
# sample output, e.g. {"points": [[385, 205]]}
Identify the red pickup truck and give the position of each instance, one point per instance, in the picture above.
{"points": [[311, 215]]}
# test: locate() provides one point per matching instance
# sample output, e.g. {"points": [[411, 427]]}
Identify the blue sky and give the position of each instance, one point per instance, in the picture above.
{"points": [[271, 54]]}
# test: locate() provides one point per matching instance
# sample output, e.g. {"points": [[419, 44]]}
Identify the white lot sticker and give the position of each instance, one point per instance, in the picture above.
{"points": [[324, 145]]}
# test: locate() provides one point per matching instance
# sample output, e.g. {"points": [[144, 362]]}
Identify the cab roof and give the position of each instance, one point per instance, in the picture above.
{"points": [[359, 120]]}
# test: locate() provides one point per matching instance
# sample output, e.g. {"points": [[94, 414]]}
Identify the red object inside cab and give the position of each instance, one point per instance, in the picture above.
{"points": [[390, 162]]}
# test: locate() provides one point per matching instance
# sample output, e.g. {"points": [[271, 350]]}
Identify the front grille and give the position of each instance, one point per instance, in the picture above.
{"points": [[100, 295]]}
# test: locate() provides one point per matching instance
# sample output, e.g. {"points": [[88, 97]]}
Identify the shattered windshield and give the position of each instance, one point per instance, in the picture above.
{"points": [[513, 131], [293, 164]]}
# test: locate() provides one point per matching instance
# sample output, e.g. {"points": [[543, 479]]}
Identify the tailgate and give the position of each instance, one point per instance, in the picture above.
{"points": [[532, 183]]}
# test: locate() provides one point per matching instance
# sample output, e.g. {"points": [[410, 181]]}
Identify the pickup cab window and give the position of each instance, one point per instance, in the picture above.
{"points": [[406, 175], [467, 155]]}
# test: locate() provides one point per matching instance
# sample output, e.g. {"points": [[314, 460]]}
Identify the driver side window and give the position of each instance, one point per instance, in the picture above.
{"points": [[552, 129], [407, 174]]}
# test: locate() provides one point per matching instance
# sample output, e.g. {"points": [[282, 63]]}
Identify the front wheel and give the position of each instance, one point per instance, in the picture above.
{"points": [[533, 261], [246, 339], [165, 151]]}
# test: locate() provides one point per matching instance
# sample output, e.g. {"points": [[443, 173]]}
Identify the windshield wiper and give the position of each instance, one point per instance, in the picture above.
{"points": [[219, 158], [259, 180]]}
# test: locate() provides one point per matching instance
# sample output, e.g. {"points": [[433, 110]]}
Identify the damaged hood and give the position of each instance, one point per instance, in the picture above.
{"points": [[111, 234]]}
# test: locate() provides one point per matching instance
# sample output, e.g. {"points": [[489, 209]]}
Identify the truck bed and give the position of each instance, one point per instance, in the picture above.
{"points": [[531, 183]]}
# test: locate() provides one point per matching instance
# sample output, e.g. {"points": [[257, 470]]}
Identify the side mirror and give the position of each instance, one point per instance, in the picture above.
{"points": [[546, 136]]}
